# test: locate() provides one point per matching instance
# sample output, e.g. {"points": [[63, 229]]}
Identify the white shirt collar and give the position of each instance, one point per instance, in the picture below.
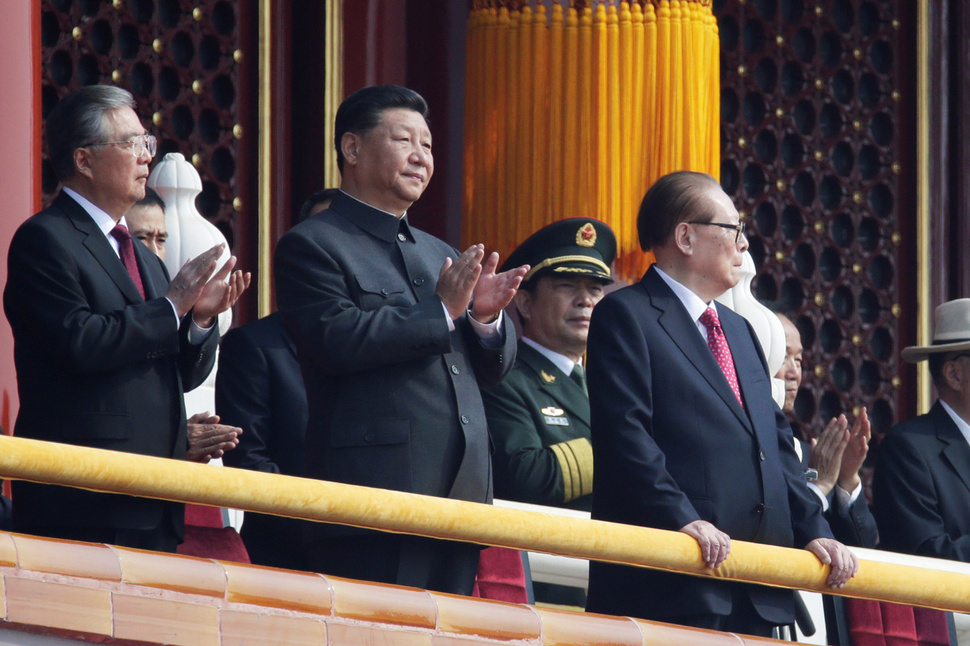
{"points": [[959, 421], [101, 219], [693, 303], [562, 362], [396, 217]]}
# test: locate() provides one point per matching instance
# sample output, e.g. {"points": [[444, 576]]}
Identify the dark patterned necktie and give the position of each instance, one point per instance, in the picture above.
{"points": [[722, 353], [126, 250]]}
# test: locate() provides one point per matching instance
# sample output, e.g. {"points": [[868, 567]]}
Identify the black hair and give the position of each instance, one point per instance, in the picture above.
{"points": [[325, 195], [151, 199], [361, 111], [672, 199]]}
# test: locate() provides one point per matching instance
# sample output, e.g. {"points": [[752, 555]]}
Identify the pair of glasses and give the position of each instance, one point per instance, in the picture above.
{"points": [[739, 228], [138, 145]]}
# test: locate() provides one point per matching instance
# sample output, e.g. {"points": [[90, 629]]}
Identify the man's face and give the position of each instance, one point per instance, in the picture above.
{"points": [[556, 315], [147, 223], [393, 161], [117, 176], [791, 369], [718, 255]]}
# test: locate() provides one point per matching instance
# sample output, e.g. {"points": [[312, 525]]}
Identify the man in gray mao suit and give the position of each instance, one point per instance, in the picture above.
{"points": [[395, 331]]}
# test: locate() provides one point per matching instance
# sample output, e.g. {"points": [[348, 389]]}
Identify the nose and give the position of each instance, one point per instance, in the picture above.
{"points": [[743, 242], [421, 156]]}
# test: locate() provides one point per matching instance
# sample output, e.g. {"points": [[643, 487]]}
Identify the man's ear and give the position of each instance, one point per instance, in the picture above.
{"points": [[523, 303], [83, 158], [954, 375], [350, 147], [683, 238]]}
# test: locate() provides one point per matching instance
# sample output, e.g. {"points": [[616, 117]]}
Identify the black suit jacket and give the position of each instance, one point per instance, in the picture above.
{"points": [[853, 525], [534, 409], [921, 488], [672, 445], [393, 396], [259, 388], [97, 365]]}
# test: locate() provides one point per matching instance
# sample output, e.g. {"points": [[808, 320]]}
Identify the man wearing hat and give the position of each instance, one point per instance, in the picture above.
{"points": [[921, 485], [538, 416]]}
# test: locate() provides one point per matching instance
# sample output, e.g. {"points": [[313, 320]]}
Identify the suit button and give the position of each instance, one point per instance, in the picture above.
{"points": [[384, 291], [368, 437], [402, 237], [455, 370], [760, 508], [464, 419], [761, 455], [418, 282]]}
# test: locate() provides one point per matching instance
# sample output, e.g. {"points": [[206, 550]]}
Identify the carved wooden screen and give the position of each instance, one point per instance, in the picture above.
{"points": [[190, 67], [817, 154]]}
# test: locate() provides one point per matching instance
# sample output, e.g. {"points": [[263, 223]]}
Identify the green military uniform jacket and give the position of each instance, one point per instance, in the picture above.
{"points": [[538, 418]]}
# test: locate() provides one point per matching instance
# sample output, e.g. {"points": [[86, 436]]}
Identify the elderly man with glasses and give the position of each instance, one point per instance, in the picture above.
{"points": [[104, 343], [685, 433], [921, 485]]}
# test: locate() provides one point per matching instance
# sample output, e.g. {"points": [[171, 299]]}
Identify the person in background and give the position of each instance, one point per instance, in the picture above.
{"points": [[834, 459], [104, 343], [686, 436], [538, 416], [395, 332], [921, 484], [259, 388], [208, 439]]}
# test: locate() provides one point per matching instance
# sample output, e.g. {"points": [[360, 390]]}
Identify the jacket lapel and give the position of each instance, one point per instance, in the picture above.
{"points": [[98, 246], [563, 390], [683, 332], [956, 450]]}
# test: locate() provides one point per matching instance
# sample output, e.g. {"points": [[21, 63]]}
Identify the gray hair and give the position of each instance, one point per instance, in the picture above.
{"points": [[79, 120]]}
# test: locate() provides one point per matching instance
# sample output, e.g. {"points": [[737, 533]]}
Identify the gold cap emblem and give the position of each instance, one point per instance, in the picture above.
{"points": [[552, 411], [549, 379], [586, 236]]}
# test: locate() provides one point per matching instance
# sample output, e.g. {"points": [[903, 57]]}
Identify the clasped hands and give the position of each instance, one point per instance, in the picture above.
{"points": [[467, 280], [195, 288], [716, 546]]}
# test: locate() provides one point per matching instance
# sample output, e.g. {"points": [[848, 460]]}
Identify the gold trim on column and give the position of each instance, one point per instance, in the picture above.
{"points": [[333, 50], [264, 282], [923, 291]]}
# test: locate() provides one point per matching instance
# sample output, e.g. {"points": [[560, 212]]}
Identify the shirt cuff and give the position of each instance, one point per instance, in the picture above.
{"points": [[451, 322], [820, 495], [845, 498], [489, 333]]}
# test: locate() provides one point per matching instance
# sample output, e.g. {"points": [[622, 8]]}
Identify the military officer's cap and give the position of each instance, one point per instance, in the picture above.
{"points": [[570, 247]]}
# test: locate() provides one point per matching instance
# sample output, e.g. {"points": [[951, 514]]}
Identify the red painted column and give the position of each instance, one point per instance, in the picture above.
{"points": [[20, 148]]}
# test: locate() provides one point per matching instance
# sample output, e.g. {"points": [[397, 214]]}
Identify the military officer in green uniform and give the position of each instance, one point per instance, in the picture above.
{"points": [[538, 416]]}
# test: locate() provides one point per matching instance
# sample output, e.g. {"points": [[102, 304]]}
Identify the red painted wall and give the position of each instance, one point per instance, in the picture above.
{"points": [[20, 137]]}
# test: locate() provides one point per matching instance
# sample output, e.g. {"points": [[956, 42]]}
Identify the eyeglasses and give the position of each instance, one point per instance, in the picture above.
{"points": [[139, 145], [739, 227]]}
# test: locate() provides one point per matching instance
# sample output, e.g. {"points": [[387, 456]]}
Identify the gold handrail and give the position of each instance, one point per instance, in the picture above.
{"points": [[395, 511]]}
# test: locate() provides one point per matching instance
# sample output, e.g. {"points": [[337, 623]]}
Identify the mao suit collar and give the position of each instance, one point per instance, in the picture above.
{"points": [[380, 224]]}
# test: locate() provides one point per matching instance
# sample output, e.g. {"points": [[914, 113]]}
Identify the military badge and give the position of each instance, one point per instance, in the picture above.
{"points": [[554, 416], [586, 236], [546, 377]]}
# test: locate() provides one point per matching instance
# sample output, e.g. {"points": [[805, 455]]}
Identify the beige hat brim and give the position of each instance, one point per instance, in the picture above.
{"points": [[917, 353]]}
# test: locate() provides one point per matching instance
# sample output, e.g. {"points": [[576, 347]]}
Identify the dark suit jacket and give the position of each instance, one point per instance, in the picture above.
{"points": [[672, 445], [853, 525], [259, 389], [921, 488], [96, 364], [393, 396], [535, 408]]}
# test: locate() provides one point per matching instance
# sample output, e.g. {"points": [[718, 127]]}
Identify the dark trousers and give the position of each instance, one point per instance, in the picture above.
{"points": [[442, 566], [744, 619]]}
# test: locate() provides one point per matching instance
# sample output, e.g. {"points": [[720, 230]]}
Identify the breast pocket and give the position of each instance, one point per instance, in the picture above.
{"points": [[380, 291]]}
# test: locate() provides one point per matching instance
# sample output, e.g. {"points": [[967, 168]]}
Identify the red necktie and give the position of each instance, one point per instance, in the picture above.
{"points": [[127, 252], [722, 353]]}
